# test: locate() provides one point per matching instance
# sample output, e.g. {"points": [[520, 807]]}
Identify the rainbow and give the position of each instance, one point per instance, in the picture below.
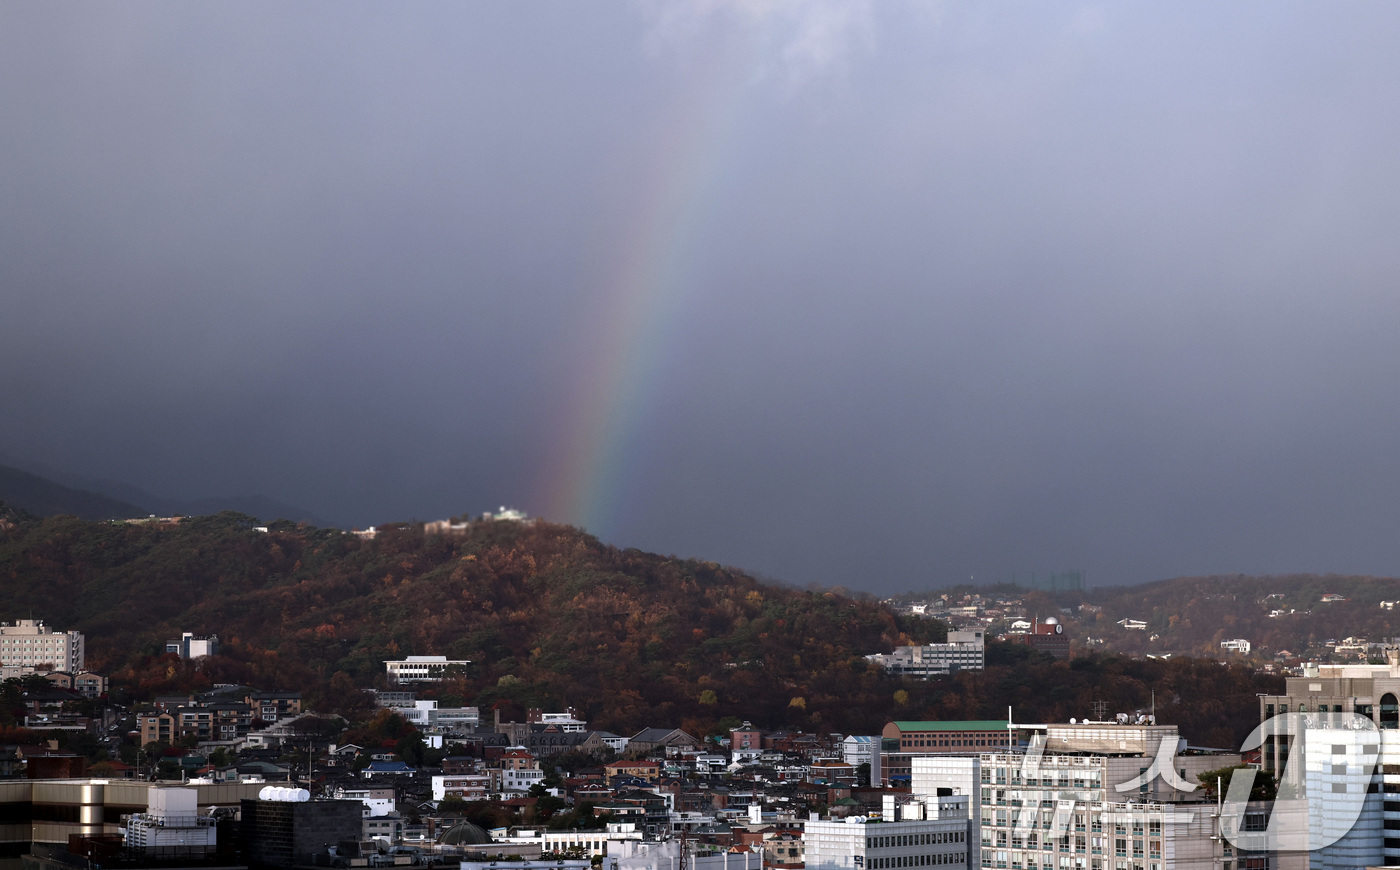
{"points": [[603, 431]]}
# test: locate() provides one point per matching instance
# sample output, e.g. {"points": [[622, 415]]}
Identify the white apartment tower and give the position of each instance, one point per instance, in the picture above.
{"points": [[30, 643]]}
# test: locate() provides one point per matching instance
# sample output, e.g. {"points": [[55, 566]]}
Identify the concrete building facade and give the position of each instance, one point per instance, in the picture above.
{"points": [[29, 642], [935, 832], [964, 651], [1095, 796]]}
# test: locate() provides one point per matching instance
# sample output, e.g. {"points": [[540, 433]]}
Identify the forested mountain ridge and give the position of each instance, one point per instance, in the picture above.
{"points": [[548, 616], [1284, 613], [98, 499], [1192, 615], [532, 605]]}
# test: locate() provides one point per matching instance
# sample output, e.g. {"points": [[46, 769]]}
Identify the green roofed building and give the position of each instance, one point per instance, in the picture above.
{"points": [[929, 738], [905, 739]]}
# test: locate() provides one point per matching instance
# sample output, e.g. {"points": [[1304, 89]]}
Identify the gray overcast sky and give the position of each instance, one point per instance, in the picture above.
{"points": [[875, 294]]}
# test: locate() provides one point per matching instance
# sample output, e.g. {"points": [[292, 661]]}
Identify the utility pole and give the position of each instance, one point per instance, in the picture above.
{"points": [[683, 863]]}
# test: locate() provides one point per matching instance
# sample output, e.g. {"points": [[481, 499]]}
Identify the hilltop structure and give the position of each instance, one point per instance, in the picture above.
{"points": [[964, 651]]}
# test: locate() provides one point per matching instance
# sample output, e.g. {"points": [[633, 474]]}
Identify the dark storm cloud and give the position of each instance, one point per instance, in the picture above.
{"points": [[977, 290]]}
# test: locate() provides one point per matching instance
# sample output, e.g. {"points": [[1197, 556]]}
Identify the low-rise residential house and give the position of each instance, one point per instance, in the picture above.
{"points": [[648, 771], [519, 770], [468, 787], [91, 685], [593, 793], [710, 764], [387, 828], [158, 727], [194, 721], [863, 749], [521, 779], [1133, 624], [783, 850], [261, 771], [459, 765], [832, 772], [230, 719], [378, 800], [271, 706]]}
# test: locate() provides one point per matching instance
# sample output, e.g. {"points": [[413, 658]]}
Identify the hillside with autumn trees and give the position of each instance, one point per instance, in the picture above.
{"points": [[1285, 616], [548, 616]]}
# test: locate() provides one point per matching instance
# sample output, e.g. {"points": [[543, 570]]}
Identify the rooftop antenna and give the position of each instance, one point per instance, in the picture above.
{"points": [[1100, 710]]}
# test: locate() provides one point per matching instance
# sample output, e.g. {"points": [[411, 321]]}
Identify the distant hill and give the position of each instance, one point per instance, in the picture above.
{"points": [[547, 616], [1192, 615], [122, 494], [43, 497]]}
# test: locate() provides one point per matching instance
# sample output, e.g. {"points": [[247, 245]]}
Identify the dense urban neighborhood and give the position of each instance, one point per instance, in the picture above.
{"points": [[409, 779], [538, 698]]}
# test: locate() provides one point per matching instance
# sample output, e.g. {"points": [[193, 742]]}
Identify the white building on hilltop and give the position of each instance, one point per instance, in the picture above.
{"points": [[420, 669], [964, 651], [28, 642]]}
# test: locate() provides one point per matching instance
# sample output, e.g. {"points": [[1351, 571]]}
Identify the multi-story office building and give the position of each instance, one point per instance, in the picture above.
{"points": [[28, 642], [1349, 773], [932, 832], [1092, 796], [427, 715], [964, 651]]}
